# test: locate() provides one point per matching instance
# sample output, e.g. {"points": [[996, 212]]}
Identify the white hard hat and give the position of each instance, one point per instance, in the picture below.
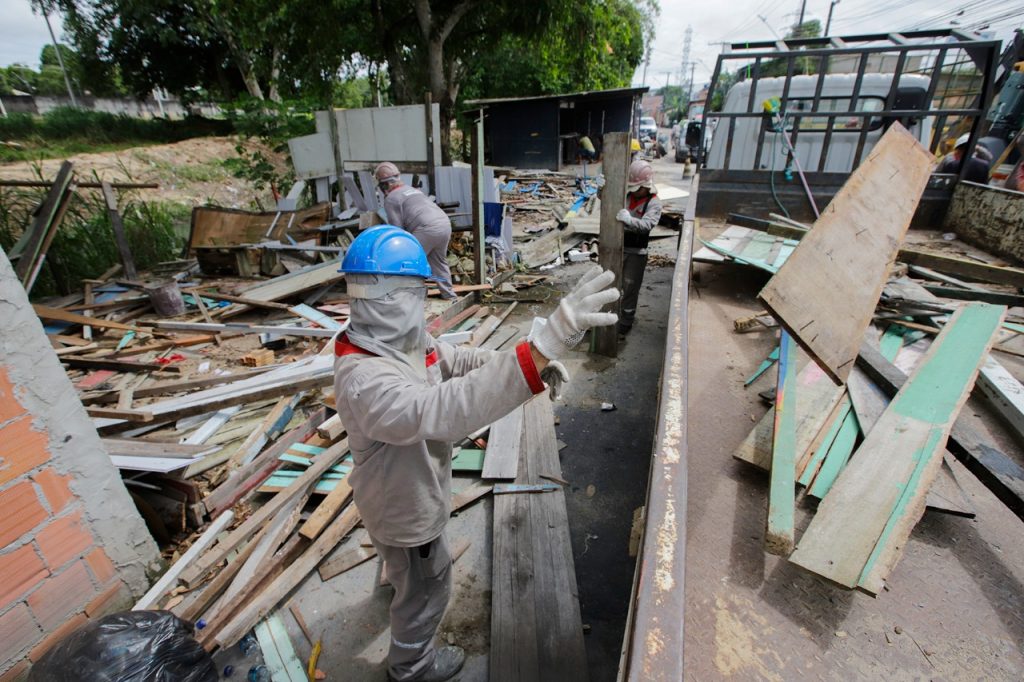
{"points": [[641, 174], [962, 140]]}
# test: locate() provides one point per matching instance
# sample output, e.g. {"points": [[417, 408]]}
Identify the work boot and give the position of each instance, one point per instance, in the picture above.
{"points": [[624, 329], [448, 662]]}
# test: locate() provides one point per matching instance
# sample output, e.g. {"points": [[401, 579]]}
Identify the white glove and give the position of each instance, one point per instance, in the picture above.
{"points": [[554, 375], [577, 312], [623, 216]]}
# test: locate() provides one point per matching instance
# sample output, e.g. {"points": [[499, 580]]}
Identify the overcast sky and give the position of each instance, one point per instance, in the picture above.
{"points": [[23, 34]]}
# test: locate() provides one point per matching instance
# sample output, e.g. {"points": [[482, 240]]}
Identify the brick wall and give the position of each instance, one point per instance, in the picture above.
{"points": [[72, 545]]}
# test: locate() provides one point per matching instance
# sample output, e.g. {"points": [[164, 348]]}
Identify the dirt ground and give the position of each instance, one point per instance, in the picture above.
{"points": [[953, 608], [190, 172]]}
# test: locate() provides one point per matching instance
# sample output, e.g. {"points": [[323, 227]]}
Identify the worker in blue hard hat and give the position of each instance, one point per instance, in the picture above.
{"points": [[411, 209], [404, 398]]}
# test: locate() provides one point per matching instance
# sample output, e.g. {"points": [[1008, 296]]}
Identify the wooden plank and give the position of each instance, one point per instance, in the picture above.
{"points": [[240, 328], [168, 579], [120, 237], [996, 471], [290, 578], [145, 448], [778, 537], [615, 165], [328, 507], [118, 365], [503, 446], [1004, 393], [278, 652], [273, 423], [963, 267], [177, 387], [826, 291], [996, 297], [535, 619], [58, 315], [132, 416], [204, 564], [468, 459], [332, 428], [862, 525], [26, 251], [816, 397]]}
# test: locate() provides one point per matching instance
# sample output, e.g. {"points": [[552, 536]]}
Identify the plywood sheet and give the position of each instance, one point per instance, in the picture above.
{"points": [[826, 291]]}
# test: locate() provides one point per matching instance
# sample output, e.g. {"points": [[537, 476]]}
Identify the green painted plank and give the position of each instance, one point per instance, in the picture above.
{"points": [[838, 455], [861, 526], [779, 533], [308, 449], [810, 471], [468, 459], [764, 366], [278, 652]]}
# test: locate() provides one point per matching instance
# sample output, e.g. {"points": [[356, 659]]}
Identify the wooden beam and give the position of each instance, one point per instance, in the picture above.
{"points": [[477, 169], [328, 507], [58, 315], [130, 416], [118, 365], [861, 527], [1004, 393], [778, 537], [615, 164], [962, 267], [239, 328], [826, 292], [120, 236], [994, 297]]}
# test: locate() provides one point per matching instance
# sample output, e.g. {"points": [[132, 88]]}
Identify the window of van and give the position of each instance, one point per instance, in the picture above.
{"points": [[842, 124]]}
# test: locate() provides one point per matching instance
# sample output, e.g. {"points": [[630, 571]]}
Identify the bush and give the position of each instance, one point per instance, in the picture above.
{"points": [[84, 245]]}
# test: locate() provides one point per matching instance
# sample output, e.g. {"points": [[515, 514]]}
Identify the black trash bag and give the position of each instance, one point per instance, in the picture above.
{"points": [[131, 646]]}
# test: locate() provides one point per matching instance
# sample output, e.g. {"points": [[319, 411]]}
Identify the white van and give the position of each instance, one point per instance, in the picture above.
{"points": [[835, 96]]}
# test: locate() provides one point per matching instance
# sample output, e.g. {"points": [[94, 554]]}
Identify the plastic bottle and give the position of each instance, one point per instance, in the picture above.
{"points": [[259, 673], [247, 644]]}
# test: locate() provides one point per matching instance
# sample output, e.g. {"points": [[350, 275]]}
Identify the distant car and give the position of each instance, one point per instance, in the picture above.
{"points": [[689, 141], [648, 127]]}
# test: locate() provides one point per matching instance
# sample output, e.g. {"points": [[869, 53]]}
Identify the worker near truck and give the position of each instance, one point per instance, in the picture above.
{"points": [[411, 209], [587, 151], [638, 218], [977, 167], [404, 398]]}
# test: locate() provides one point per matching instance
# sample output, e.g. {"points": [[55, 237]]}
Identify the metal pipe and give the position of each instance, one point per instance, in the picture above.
{"points": [[60, 60]]}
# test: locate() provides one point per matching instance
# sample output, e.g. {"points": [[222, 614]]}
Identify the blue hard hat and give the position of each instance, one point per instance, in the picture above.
{"points": [[386, 250]]}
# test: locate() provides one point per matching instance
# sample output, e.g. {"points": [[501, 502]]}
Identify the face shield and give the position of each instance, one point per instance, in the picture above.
{"points": [[387, 316]]}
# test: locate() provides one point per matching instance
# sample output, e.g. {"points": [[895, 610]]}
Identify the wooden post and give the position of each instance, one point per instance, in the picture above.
{"points": [[479, 247], [615, 166], [119, 235], [428, 116], [339, 162]]}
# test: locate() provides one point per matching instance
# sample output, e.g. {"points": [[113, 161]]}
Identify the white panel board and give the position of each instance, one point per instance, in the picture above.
{"points": [[312, 156]]}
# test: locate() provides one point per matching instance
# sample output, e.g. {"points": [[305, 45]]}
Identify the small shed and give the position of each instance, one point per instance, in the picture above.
{"points": [[542, 132]]}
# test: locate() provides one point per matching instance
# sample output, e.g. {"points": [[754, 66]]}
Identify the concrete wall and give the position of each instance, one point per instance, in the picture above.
{"points": [[990, 218], [147, 108], [72, 545]]}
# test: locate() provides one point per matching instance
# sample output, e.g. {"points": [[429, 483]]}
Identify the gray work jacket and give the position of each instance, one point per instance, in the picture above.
{"points": [[409, 208], [401, 427]]}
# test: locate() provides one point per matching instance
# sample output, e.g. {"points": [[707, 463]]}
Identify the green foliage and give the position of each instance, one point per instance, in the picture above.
{"points": [[84, 246]]}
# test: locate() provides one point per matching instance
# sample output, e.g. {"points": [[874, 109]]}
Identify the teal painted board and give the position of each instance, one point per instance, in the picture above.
{"points": [[278, 652], [779, 533], [306, 448], [838, 455], [810, 471], [862, 525], [764, 366], [468, 459]]}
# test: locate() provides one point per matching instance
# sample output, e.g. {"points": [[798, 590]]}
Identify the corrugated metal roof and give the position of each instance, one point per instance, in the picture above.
{"points": [[594, 94]]}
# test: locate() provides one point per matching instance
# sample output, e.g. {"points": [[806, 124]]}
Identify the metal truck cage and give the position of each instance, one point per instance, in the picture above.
{"points": [[959, 69]]}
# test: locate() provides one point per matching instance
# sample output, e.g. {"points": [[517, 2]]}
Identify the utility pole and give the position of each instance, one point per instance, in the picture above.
{"points": [[828, 22], [687, 45], [803, 8], [60, 59]]}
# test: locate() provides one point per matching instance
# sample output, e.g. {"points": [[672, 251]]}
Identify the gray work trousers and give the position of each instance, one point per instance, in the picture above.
{"points": [[422, 579], [633, 265], [434, 241]]}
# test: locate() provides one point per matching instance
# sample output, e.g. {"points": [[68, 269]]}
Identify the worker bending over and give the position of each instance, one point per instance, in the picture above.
{"points": [[409, 208], [404, 398], [641, 215]]}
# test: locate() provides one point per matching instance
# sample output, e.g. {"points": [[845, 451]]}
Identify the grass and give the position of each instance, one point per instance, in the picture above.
{"points": [[65, 131], [84, 245]]}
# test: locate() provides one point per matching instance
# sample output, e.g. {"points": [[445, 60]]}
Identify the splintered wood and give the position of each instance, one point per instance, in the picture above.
{"points": [[826, 291]]}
